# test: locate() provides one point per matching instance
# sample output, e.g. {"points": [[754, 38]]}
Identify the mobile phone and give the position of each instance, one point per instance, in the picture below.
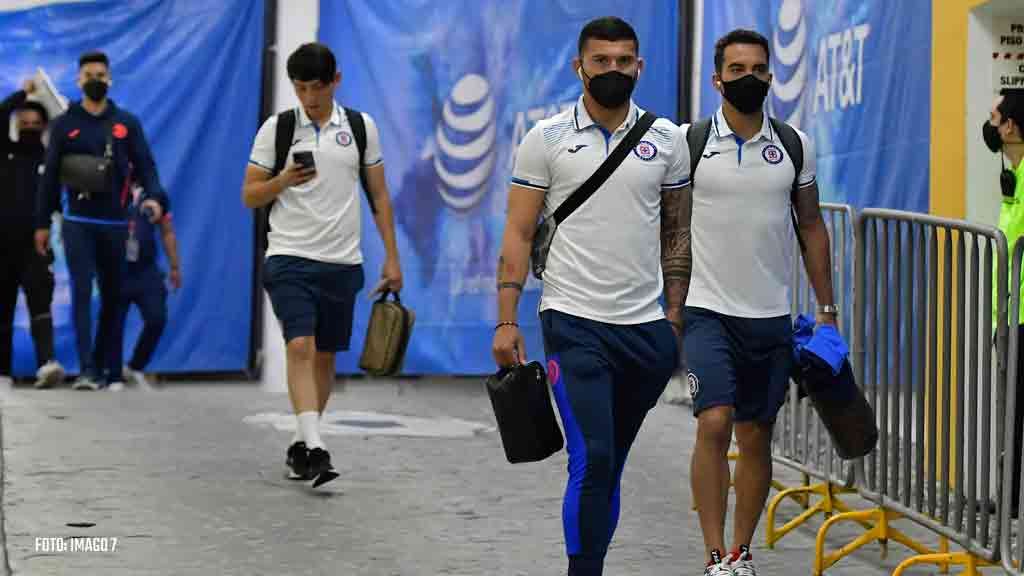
{"points": [[304, 159]]}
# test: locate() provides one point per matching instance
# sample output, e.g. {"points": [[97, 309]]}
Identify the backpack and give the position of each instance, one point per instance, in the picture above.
{"points": [[697, 139], [283, 142]]}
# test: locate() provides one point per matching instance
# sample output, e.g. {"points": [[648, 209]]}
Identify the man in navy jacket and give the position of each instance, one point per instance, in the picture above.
{"points": [[95, 224]]}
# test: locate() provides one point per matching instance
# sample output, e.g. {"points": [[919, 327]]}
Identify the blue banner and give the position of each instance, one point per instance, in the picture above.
{"points": [[856, 76], [454, 87], [191, 72]]}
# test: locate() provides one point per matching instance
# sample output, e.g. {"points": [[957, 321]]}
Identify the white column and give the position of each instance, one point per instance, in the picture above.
{"points": [[297, 23]]}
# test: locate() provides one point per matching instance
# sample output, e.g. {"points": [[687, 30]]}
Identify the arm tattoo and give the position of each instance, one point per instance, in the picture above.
{"points": [[676, 254]]}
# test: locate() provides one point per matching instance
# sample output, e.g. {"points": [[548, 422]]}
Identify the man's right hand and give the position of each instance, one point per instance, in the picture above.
{"points": [[29, 86], [509, 348], [42, 241], [296, 175]]}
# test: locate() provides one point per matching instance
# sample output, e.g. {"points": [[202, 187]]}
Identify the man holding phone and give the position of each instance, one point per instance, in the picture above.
{"points": [[314, 262]]}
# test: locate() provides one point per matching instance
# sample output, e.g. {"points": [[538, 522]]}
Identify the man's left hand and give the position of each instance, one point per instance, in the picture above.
{"points": [[823, 319], [390, 278], [156, 211]]}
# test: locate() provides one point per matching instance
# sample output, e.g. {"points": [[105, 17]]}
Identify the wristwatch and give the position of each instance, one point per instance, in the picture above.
{"points": [[828, 309]]}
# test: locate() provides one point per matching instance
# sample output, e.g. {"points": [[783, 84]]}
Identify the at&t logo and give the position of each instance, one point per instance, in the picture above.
{"points": [[465, 143]]}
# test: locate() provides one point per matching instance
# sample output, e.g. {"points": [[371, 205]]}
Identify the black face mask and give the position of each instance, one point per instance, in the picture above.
{"points": [[746, 94], [994, 142], [30, 140], [611, 89], [95, 90], [991, 135]]}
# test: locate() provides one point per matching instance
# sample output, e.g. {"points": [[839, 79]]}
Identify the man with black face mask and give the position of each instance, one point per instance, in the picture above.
{"points": [[1003, 133], [748, 196], [96, 150], [20, 265], [610, 345]]}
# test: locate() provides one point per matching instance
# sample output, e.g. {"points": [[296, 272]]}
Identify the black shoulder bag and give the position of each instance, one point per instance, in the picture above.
{"points": [[545, 233], [89, 175]]}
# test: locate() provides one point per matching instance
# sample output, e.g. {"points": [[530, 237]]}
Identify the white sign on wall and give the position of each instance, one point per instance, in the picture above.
{"points": [[1008, 55]]}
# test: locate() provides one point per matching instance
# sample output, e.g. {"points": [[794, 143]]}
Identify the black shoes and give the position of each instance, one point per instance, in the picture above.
{"points": [[320, 469], [297, 462]]}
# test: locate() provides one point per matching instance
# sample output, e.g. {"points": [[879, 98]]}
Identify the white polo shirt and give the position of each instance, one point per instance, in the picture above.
{"points": [[319, 220], [605, 259], [741, 230]]}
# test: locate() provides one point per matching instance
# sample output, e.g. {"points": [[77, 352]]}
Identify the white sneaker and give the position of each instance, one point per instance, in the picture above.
{"points": [[115, 386], [136, 378], [84, 383], [718, 567], [741, 562], [49, 375]]}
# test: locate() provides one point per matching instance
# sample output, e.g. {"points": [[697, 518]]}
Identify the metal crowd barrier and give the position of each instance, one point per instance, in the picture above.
{"points": [[1011, 542], [923, 284], [800, 441]]}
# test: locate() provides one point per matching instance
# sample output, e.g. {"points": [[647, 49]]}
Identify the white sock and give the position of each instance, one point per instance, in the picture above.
{"points": [[297, 437], [309, 423]]}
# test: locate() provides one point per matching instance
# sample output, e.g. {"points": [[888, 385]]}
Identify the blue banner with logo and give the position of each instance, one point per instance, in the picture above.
{"points": [[190, 71], [454, 87], [856, 76]]}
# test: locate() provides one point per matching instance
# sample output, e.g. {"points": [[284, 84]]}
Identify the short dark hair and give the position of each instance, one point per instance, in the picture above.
{"points": [[610, 28], [739, 36], [312, 61], [93, 57], [1012, 106], [35, 107]]}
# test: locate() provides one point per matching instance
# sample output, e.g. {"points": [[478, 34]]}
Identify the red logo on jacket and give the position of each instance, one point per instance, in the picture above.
{"points": [[120, 131], [74, 134]]}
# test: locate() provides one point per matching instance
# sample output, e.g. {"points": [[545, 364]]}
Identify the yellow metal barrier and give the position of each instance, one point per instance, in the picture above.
{"points": [[829, 503], [877, 521], [970, 562]]}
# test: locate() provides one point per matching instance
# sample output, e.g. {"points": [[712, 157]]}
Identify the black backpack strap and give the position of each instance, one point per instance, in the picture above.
{"points": [[283, 135], [283, 139], [795, 149], [610, 164], [697, 138], [358, 126]]}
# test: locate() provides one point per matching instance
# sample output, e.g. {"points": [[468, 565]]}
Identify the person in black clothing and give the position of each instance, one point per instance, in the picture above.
{"points": [[95, 222], [20, 265]]}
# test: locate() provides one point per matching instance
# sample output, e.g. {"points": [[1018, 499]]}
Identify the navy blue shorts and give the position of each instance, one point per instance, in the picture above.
{"points": [[739, 362], [313, 298]]}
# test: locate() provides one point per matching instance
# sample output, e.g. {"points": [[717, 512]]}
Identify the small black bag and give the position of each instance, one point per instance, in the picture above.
{"points": [[89, 175], [545, 233], [522, 407]]}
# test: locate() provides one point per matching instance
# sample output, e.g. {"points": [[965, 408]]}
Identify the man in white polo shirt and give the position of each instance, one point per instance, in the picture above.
{"points": [[610, 349], [314, 262], [738, 340]]}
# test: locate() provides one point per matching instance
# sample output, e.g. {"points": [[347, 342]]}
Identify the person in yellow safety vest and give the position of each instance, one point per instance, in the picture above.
{"points": [[1004, 134]]}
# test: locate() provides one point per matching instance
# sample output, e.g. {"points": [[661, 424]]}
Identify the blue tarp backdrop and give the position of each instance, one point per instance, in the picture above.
{"points": [[454, 86], [856, 76], [191, 72]]}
